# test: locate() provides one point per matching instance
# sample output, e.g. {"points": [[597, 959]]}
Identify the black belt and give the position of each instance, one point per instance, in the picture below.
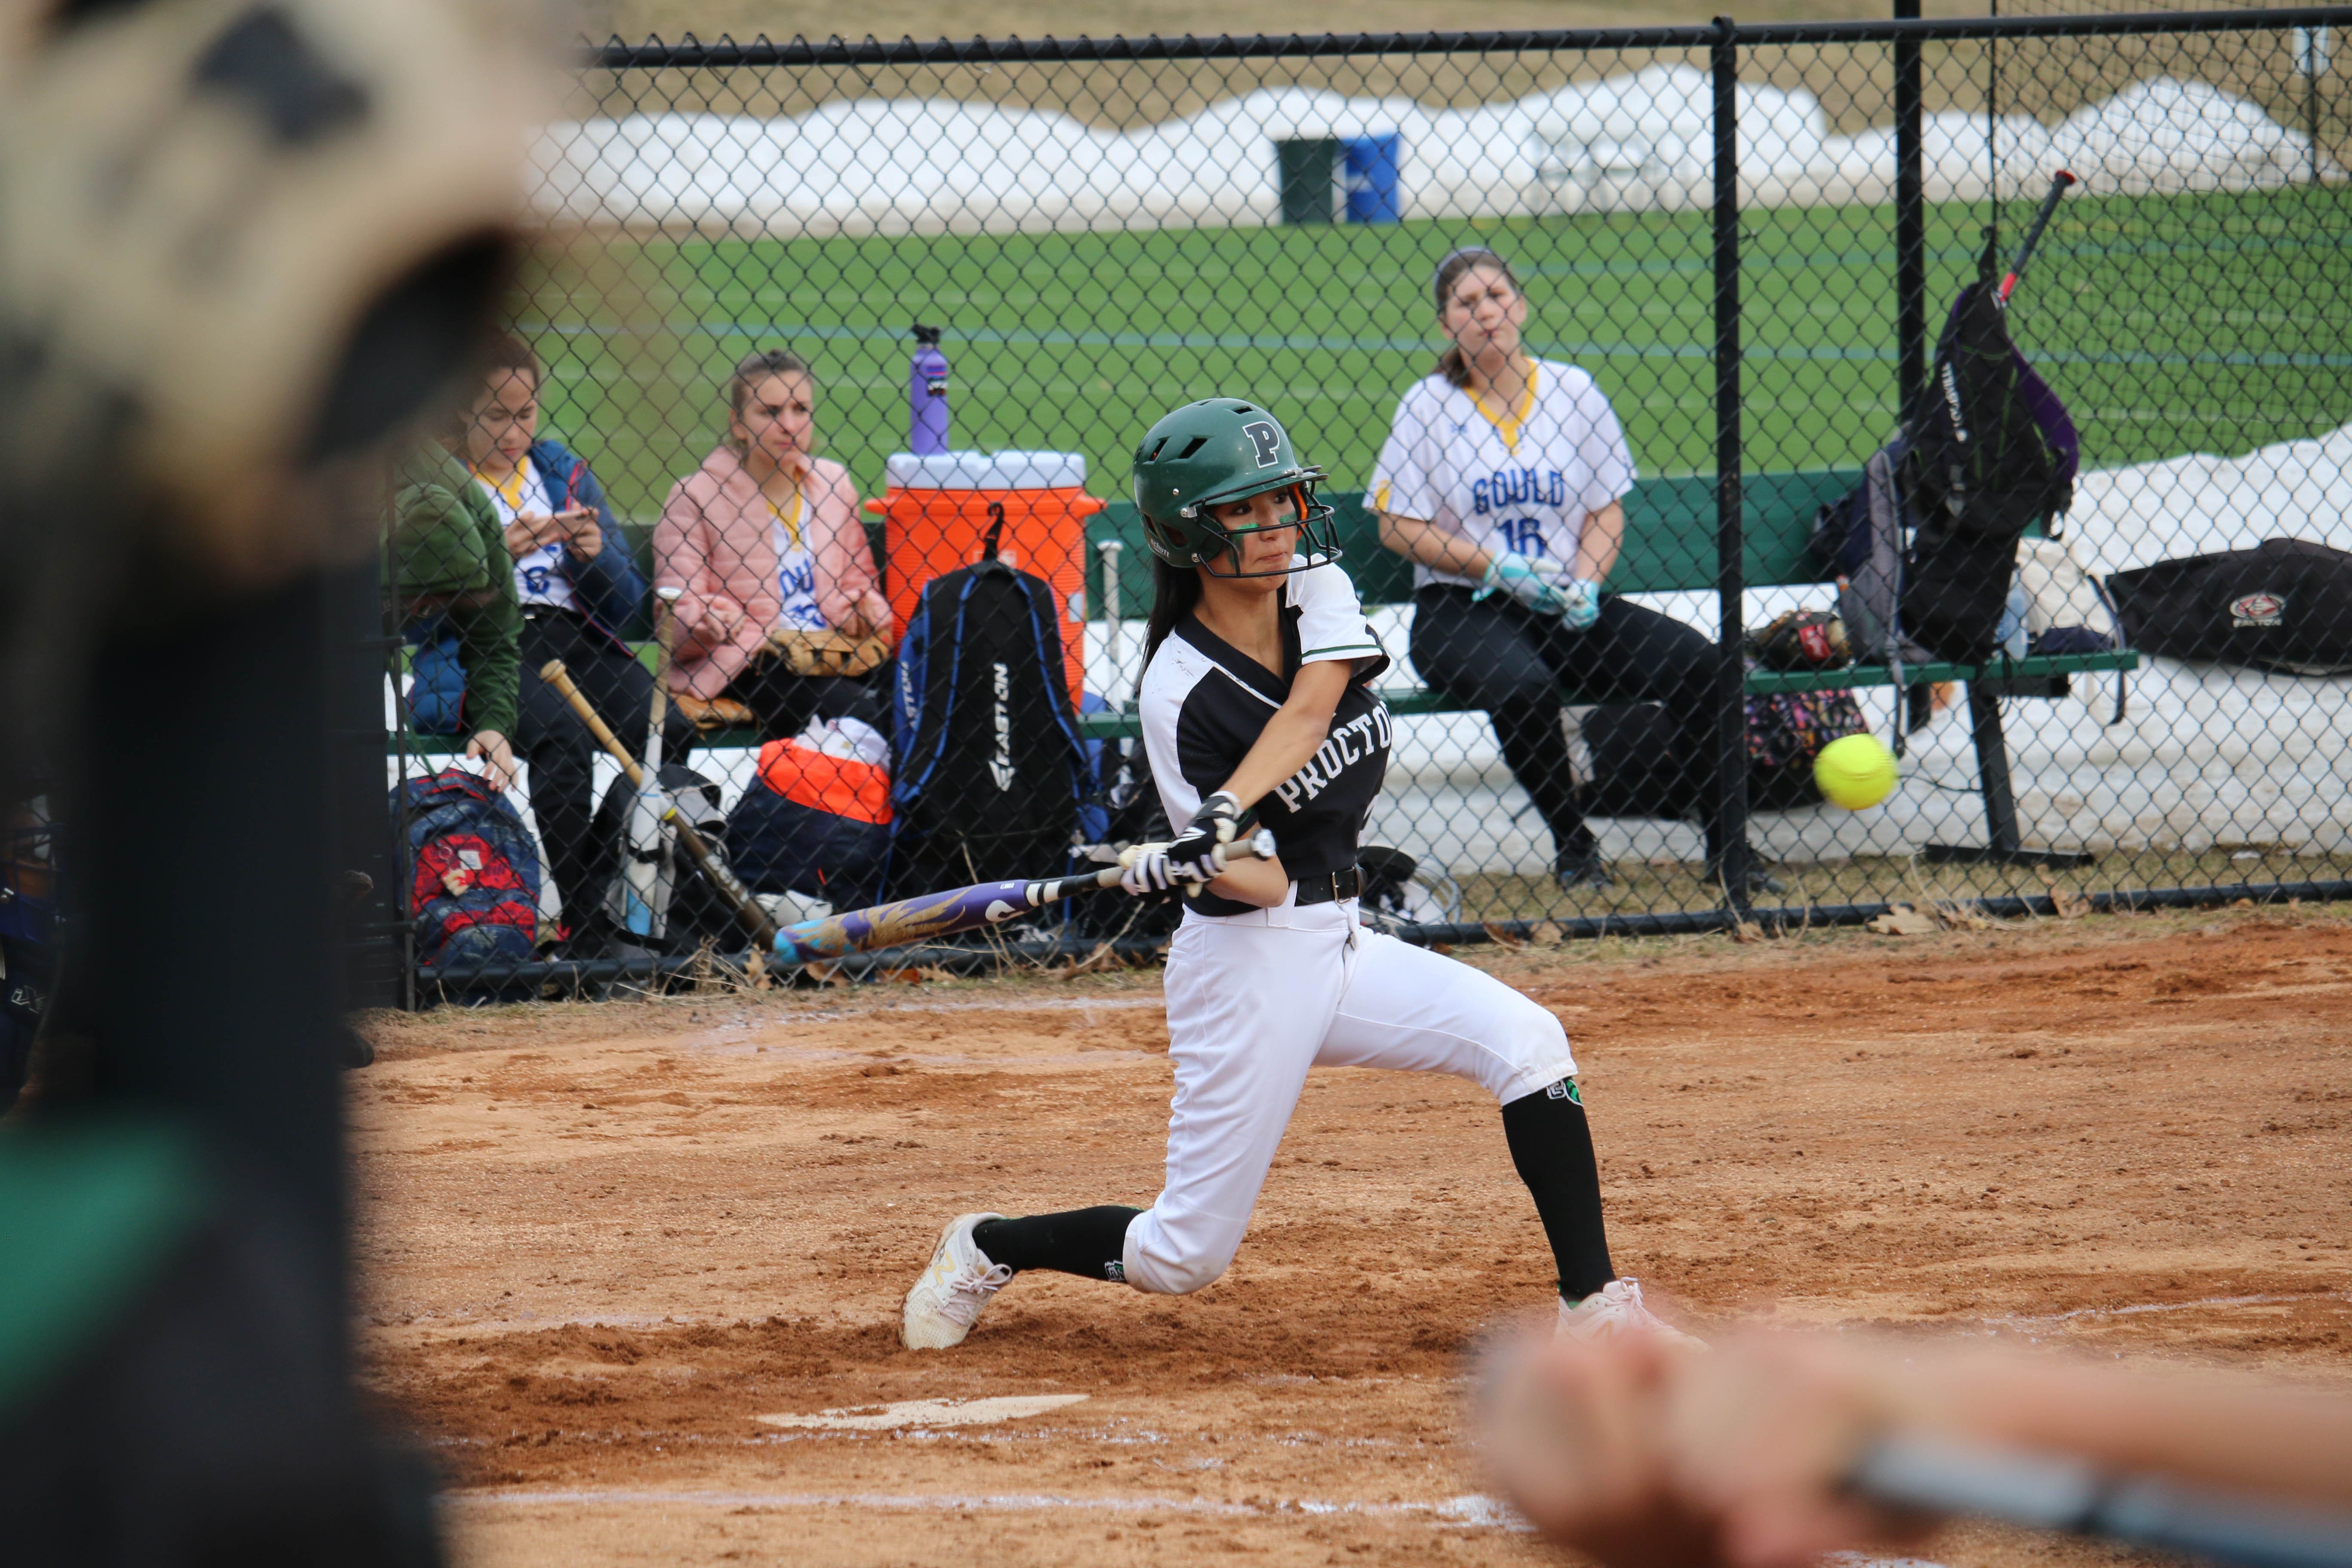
{"points": [[1330, 888]]}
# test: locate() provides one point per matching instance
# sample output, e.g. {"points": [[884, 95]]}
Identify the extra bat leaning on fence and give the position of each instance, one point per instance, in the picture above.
{"points": [[931, 915], [747, 908], [646, 879]]}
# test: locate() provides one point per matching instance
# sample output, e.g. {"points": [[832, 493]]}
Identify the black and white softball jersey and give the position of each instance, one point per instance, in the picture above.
{"points": [[1204, 703]]}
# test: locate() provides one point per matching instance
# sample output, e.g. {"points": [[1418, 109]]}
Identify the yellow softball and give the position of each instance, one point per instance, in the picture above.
{"points": [[1856, 773]]}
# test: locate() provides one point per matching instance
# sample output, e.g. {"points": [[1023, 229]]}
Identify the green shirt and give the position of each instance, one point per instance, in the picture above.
{"points": [[445, 541]]}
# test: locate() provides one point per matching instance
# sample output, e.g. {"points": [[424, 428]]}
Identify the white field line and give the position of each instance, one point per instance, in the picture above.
{"points": [[455, 1322], [1467, 1510], [928, 1412], [995, 1004], [2140, 1307], [648, 1320]]}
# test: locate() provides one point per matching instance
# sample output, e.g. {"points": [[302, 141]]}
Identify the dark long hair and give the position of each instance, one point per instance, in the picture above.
{"points": [[499, 351], [1175, 592], [1451, 365]]}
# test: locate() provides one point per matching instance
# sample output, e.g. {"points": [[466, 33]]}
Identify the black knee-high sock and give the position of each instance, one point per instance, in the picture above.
{"points": [[1552, 1147], [1089, 1242]]}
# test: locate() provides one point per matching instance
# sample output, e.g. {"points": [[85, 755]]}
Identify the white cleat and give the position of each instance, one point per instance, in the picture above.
{"points": [[946, 1301], [1617, 1309]]}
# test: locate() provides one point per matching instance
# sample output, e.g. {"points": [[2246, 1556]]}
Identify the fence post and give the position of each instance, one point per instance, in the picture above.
{"points": [[403, 910], [2311, 54], [1910, 220], [1730, 821]]}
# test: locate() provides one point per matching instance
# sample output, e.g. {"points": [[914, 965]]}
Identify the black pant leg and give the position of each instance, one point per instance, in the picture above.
{"points": [[561, 754], [784, 702], [1495, 656], [1633, 653], [621, 688]]}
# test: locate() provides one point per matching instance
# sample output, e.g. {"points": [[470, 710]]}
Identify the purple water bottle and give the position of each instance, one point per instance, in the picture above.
{"points": [[926, 395]]}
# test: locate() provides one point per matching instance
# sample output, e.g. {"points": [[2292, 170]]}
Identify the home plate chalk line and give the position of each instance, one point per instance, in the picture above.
{"points": [[2136, 1308], [928, 1412], [1470, 1510]]}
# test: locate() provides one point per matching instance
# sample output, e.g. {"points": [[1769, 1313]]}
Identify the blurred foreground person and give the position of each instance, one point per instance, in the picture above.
{"points": [[240, 244], [1640, 1454]]}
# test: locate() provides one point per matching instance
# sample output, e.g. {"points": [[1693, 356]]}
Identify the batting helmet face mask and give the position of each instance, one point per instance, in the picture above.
{"points": [[1210, 454]]}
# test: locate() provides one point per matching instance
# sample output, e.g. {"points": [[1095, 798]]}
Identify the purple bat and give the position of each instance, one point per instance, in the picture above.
{"points": [[960, 909], [928, 916]]}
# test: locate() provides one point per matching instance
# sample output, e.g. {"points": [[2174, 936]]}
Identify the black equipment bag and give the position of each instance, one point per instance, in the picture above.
{"points": [[698, 912], [2284, 605], [991, 768], [1991, 452]]}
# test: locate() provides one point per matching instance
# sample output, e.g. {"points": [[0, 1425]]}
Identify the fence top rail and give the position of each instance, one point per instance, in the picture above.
{"points": [[690, 53]]}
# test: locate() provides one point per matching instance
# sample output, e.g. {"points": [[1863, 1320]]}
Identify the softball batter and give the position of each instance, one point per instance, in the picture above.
{"points": [[1257, 694]]}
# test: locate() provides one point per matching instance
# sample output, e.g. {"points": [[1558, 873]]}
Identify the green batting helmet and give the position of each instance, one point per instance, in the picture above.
{"points": [[1208, 454]]}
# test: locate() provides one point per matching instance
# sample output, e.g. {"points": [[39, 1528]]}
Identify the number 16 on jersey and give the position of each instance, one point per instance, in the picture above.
{"points": [[1522, 536]]}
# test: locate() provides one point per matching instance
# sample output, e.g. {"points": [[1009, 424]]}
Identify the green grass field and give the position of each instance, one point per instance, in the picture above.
{"points": [[2214, 323]]}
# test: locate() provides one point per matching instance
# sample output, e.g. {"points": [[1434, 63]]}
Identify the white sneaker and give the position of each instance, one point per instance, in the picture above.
{"points": [[1617, 1309], [944, 1303]]}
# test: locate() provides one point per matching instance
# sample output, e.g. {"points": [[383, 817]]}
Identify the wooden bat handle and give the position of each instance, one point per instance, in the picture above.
{"points": [[555, 675], [747, 908]]}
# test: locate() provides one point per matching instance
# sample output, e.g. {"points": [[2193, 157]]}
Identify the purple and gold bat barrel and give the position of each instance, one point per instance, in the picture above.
{"points": [[912, 919], [932, 915]]}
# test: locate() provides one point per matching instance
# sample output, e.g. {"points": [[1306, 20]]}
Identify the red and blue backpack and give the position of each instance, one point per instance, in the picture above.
{"points": [[473, 872]]}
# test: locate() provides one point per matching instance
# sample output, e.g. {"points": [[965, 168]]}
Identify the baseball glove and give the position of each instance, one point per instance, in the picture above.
{"points": [[1803, 639]]}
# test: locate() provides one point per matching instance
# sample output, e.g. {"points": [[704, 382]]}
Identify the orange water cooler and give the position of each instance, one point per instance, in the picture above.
{"points": [[940, 508]]}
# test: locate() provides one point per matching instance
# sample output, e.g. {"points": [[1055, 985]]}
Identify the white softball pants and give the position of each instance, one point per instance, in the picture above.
{"points": [[1254, 1001]]}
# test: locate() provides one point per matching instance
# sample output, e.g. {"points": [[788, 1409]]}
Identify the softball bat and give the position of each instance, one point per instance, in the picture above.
{"points": [[932, 915], [747, 909]]}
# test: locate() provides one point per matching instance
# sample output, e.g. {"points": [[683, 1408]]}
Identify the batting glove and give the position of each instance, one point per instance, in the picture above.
{"points": [[1193, 855], [1148, 872], [1525, 581], [1583, 606]]}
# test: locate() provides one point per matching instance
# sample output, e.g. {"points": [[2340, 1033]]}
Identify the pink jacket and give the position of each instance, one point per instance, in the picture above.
{"points": [[716, 541]]}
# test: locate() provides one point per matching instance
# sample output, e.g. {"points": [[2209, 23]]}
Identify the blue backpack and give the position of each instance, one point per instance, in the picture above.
{"points": [[473, 872]]}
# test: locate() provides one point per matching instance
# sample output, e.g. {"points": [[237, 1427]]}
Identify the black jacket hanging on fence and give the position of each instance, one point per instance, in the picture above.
{"points": [[1991, 452]]}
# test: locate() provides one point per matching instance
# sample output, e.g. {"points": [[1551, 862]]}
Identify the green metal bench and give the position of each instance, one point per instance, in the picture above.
{"points": [[1670, 546]]}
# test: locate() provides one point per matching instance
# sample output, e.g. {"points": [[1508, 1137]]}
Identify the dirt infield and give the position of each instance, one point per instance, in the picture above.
{"points": [[601, 1241]]}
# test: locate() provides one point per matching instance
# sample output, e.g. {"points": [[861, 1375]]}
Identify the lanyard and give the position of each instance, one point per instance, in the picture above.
{"points": [[790, 521], [511, 489]]}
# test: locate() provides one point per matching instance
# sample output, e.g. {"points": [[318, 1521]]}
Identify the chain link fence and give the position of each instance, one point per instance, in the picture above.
{"points": [[981, 272]]}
